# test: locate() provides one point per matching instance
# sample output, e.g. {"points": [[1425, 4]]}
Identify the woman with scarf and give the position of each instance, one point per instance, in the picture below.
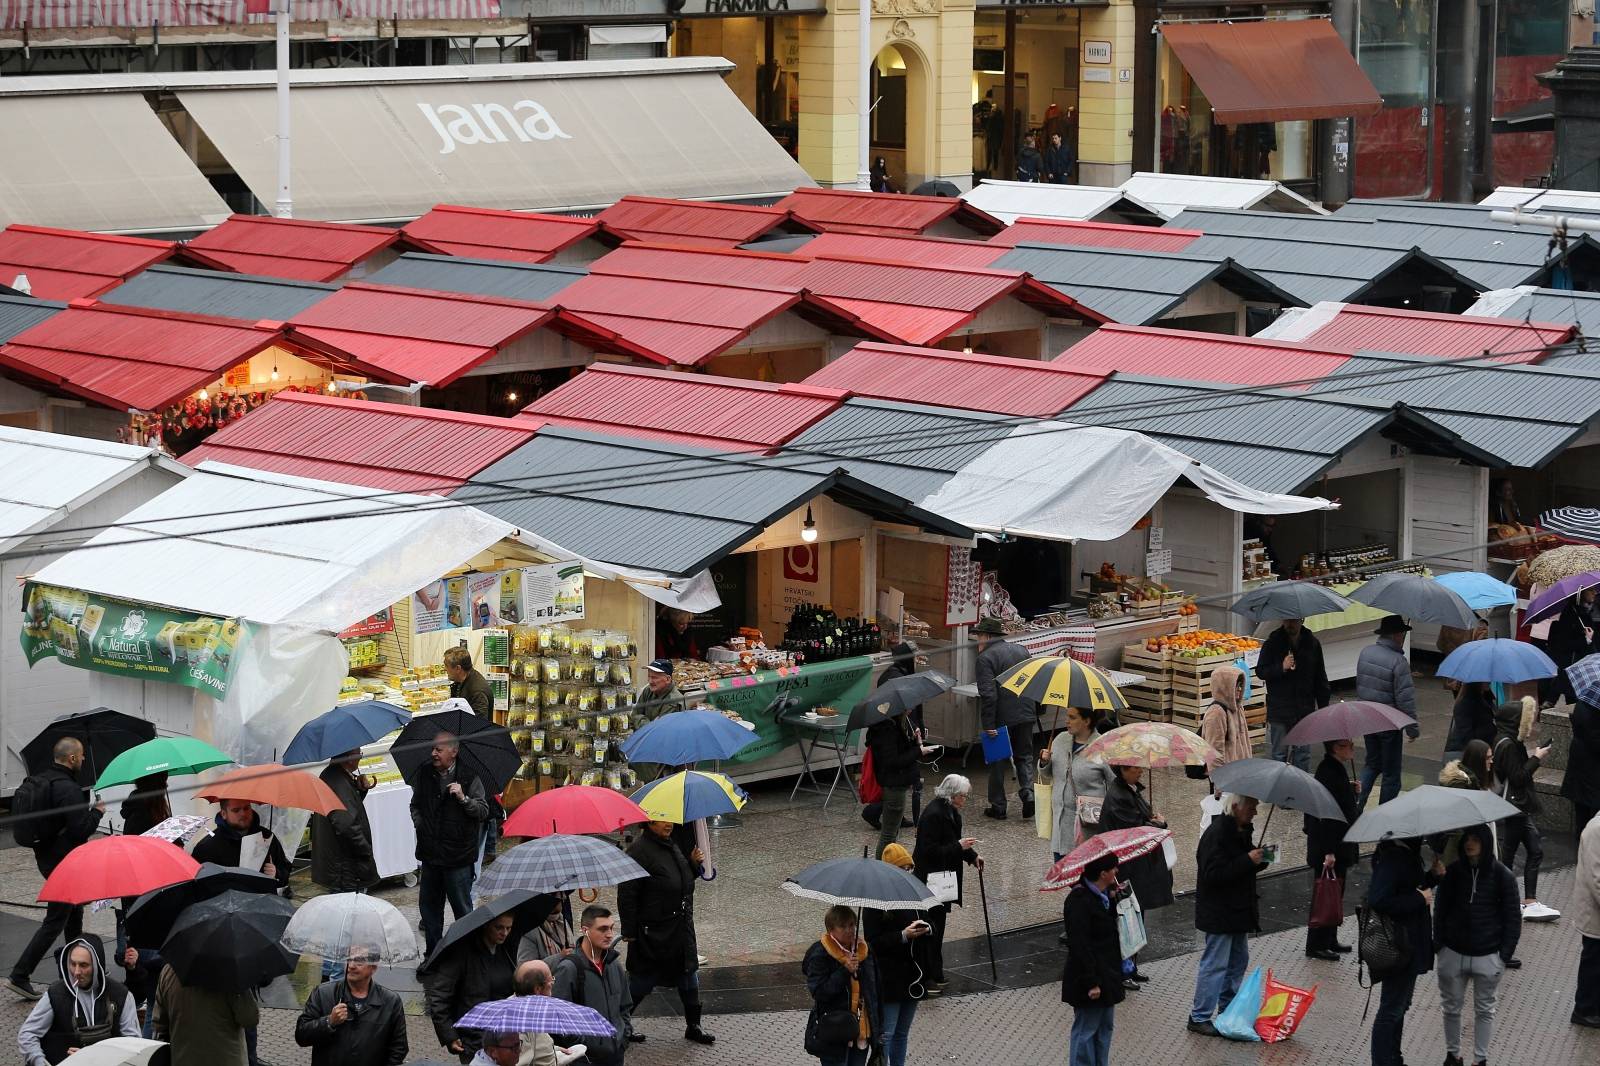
{"points": [[1078, 786], [846, 1022]]}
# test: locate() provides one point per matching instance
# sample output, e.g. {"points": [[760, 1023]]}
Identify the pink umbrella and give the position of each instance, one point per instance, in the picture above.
{"points": [[1125, 844], [1346, 721], [1151, 745]]}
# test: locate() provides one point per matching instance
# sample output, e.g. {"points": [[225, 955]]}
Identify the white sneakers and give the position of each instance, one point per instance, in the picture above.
{"points": [[1538, 912]]}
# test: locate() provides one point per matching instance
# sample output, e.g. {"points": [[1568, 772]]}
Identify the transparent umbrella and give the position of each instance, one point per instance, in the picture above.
{"points": [[351, 927]]}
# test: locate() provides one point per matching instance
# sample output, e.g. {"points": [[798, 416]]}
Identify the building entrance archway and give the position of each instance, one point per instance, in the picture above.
{"points": [[903, 115]]}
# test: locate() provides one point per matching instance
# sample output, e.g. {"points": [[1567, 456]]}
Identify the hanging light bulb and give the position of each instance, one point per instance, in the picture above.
{"points": [[274, 371], [808, 532], [511, 397], [332, 387], [204, 396]]}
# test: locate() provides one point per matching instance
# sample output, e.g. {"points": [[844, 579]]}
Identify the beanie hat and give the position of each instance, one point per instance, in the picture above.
{"points": [[897, 855]]}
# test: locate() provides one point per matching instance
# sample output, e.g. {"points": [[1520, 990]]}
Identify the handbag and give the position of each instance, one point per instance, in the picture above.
{"points": [[868, 788], [1327, 901], [1130, 926], [826, 1030], [1382, 945], [1089, 808], [944, 885]]}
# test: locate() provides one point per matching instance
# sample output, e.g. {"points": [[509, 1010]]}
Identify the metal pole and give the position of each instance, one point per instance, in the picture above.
{"points": [[1008, 148], [864, 99], [285, 205]]}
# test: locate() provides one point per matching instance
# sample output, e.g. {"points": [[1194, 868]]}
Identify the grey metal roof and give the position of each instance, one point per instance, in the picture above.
{"points": [[478, 277], [216, 292], [1137, 287], [658, 506], [18, 313], [1335, 266], [1529, 304]]}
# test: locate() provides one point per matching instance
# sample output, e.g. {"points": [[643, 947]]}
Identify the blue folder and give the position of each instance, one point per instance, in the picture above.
{"points": [[998, 747]]}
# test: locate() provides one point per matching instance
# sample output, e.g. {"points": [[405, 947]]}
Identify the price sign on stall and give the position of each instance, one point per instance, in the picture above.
{"points": [[1158, 562]]}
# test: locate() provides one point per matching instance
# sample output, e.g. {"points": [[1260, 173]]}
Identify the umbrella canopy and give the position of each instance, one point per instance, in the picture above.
{"points": [[536, 1014], [230, 941], [485, 748], [1426, 810], [897, 696], [1346, 721], [1574, 523], [150, 918], [1288, 599], [1125, 844], [1062, 682], [1151, 745], [105, 734], [345, 728], [1584, 676], [1418, 598], [1553, 600], [557, 863], [351, 927], [123, 1051], [112, 867], [1497, 659], [527, 909], [574, 809], [1279, 784], [861, 883], [688, 795], [177, 829], [1479, 590], [685, 737], [938, 187], [171, 755], [276, 785], [1549, 567]]}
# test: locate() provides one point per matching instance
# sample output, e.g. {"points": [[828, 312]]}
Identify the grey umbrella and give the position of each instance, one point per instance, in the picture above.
{"points": [[1279, 784], [1419, 598], [1288, 599], [898, 696], [1426, 810]]}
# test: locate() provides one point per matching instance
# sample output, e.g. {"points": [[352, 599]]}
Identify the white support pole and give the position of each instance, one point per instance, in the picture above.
{"points": [[285, 204], [864, 100]]}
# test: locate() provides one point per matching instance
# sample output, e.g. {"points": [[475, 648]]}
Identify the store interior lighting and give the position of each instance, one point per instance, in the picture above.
{"points": [[808, 531]]}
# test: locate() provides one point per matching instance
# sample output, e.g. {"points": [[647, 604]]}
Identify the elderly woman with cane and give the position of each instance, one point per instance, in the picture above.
{"points": [[940, 852]]}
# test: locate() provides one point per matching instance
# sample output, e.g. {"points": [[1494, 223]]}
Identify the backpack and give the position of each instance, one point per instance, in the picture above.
{"points": [[32, 826]]}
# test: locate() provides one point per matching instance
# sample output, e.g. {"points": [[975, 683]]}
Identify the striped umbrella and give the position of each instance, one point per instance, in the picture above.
{"points": [[1574, 523], [557, 863], [689, 795], [1063, 682], [1151, 745]]}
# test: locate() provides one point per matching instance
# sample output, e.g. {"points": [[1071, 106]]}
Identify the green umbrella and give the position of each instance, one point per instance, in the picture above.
{"points": [[172, 755]]}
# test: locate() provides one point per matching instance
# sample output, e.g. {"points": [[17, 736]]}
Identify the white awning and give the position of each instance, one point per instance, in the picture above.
{"points": [[628, 34]]}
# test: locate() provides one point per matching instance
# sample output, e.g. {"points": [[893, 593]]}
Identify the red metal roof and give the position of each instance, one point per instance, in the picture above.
{"points": [[993, 383], [132, 357], [871, 212], [64, 264], [385, 446], [287, 247], [1356, 327], [414, 334], [694, 223], [1187, 356], [937, 251], [1095, 235], [764, 270], [482, 233], [723, 413]]}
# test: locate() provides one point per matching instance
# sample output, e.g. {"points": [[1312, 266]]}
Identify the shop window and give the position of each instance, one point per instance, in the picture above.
{"points": [[1530, 37], [1190, 142], [1394, 148], [889, 102]]}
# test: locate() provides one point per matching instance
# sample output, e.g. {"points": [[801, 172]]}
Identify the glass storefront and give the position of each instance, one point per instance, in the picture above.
{"points": [[1396, 149], [767, 77], [1530, 38], [1044, 85]]}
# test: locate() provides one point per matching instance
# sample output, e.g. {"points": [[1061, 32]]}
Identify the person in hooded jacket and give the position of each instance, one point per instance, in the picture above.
{"points": [[1476, 923], [1401, 889], [84, 1007], [236, 820], [1474, 770], [1225, 726], [1326, 849], [1514, 769], [895, 940]]}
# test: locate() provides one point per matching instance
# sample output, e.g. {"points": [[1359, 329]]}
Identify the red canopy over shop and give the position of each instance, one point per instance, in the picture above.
{"points": [[1273, 71]]}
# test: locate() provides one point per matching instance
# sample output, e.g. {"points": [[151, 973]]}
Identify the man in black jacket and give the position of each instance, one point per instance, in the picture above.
{"points": [[448, 809], [999, 709], [353, 1022], [1091, 982], [1291, 664], [236, 820], [1477, 920], [1225, 908], [467, 684], [658, 923], [476, 969], [341, 842], [73, 822]]}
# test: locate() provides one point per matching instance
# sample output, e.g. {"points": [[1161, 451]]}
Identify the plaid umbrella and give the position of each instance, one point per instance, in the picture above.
{"points": [[536, 1014], [1062, 682], [1151, 744], [1125, 844], [1574, 523], [557, 863], [1584, 676]]}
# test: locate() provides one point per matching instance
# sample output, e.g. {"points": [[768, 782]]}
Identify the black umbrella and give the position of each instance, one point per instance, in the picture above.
{"points": [[152, 915], [105, 735], [897, 696], [1288, 599], [230, 941], [486, 749], [527, 910], [936, 188]]}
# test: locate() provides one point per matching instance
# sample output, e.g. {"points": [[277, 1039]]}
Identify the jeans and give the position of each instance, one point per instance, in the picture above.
{"points": [[1091, 1035], [1221, 972], [1394, 999], [1521, 832], [897, 1019], [1455, 970], [854, 1056], [60, 919], [1586, 1000], [1022, 761], [1384, 752], [435, 885], [1299, 754]]}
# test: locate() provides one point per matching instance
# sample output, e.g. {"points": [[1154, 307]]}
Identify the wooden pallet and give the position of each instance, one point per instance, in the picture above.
{"points": [[1141, 714], [1138, 659], [1148, 697]]}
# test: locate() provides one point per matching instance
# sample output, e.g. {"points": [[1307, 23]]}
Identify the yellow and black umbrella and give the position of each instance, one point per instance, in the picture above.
{"points": [[1061, 682]]}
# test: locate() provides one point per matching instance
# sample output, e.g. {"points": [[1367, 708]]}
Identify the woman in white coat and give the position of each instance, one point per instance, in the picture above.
{"points": [[1078, 786]]}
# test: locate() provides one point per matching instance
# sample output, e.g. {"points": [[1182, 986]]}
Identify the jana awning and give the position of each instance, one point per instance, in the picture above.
{"points": [[1273, 71]]}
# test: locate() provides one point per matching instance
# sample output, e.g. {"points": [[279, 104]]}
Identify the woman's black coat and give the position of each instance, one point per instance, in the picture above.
{"points": [[1125, 808]]}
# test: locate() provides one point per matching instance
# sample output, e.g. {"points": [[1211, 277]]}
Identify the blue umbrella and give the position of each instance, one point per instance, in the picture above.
{"points": [[345, 728], [1479, 590], [683, 738], [1497, 659], [1584, 677]]}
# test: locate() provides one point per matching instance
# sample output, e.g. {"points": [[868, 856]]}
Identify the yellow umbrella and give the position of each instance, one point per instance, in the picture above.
{"points": [[1062, 682], [689, 795]]}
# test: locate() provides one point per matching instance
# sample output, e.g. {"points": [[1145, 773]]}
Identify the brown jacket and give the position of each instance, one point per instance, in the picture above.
{"points": [[1585, 907], [204, 1025]]}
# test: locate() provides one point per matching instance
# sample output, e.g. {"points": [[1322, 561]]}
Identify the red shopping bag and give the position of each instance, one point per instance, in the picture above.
{"points": [[1283, 1008], [1327, 901], [870, 790]]}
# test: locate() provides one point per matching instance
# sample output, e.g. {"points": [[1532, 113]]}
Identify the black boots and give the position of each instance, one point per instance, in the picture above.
{"points": [[691, 1026]]}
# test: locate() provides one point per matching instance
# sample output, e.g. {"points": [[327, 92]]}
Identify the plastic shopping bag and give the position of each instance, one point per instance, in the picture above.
{"points": [[1130, 926], [1283, 1008], [1210, 807], [1238, 1022]]}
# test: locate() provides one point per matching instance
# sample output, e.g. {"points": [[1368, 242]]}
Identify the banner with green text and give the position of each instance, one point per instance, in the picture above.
{"points": [[840, 685], [130, 639]]}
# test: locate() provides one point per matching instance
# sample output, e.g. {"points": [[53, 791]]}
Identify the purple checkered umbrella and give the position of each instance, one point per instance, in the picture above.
{"points": [[536, 1014], [1584, 676]]}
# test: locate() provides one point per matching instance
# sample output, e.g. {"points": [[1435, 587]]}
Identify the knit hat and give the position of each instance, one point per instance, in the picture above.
{"points": [[897, 855], [990, 627]]}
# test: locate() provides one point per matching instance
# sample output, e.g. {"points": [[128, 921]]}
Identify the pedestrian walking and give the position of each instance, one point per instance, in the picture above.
{"points": [[1474, 770], [1326, 850], [1514, 769], [904, 664], [1586, 916], [225, 846], [147, 805], [1226, 909], [896, 939], [846, 1021], [1058, 160], [1471, 718], [1574, 635], [499, 1049], [83, 1008], [51, 815], [1077, 786], [593, 976], [1092, 979], [941, 849], [1290, 662], [341, 842], [540, 1049], [1476, 923], [466, 683], [1151, 880], [1030, 164], [658, 923], [448, 808], [204, 1024], [552, 939], [1000, 709], [474, 970], [1383, 675], [1401, 889], [353, 1021], [1225, 726], [1581, 783], [895, 749]]}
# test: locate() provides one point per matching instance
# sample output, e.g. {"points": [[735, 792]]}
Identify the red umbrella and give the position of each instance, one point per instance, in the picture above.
{"points": [[1125, 844], [111, 867], [277, 785], [1346, 721], [573, 809]]}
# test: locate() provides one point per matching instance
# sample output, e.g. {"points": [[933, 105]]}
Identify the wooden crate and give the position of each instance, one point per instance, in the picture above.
{"points": [[1155, 665], [1150, 697], [1141, 714]]}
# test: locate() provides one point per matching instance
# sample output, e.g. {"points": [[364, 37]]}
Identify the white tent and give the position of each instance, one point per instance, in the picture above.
{"points": [[1170, 194]]}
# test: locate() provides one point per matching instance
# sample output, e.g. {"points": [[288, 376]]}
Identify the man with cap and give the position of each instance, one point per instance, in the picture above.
{"points": [[1000, 709], [1383, 675], [659, 695]]}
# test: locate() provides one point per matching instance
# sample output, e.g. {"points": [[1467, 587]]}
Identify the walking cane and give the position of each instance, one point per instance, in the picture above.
{"points": [[988, 932]]}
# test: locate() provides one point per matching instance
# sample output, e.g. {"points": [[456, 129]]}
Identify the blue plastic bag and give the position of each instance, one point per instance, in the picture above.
{"points": [[1238, 1022]]}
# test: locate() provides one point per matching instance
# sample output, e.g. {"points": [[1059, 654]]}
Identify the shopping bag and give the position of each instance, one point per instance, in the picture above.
{"points": [[944, 886], [1327, 901], [1169, 852], [1283, 1008], [1238, 1022], [998, 747], [1044, 815], [1130, 926], [1210, 807], [868, 787]]}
